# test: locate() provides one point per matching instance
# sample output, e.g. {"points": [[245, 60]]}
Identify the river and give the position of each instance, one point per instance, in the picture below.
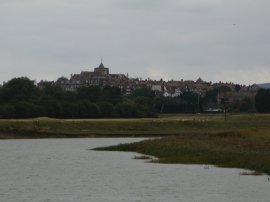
{"points": [[65, 170]]}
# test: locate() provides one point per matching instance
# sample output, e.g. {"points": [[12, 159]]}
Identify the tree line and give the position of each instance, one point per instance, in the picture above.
{"points": [[263, 100], [21, 98]]}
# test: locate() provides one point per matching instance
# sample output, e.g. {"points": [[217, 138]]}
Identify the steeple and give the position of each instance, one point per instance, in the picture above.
{"points": [[101, 64]]}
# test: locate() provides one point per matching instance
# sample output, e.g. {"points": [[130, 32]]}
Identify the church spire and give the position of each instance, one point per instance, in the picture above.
{"points": [[101, 64]]}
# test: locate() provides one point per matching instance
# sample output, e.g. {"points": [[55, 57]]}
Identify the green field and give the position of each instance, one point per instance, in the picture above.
{"points": [[242, 141]]}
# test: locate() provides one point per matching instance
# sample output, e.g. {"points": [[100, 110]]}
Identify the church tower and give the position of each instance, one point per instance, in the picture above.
{"points": [[102, 70]]}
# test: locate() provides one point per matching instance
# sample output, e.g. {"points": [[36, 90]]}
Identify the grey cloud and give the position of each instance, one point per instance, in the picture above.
{"points": [[151, 38], [140, 4]]}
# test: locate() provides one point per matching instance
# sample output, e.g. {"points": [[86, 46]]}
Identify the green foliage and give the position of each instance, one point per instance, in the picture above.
{"points": [[19, 89], [262, 100], [51, 107], [70, 110], [188, 102], [126, 109], [145, 92], [111, 94], [223, 89], [190, 98], [52, 91], [26, 109], [158, 103], [87, 109], [210, 98], [141, 100], [21, 98], [246, 104], [92, 93], [237, 88], [106, 109], [7, 111]]}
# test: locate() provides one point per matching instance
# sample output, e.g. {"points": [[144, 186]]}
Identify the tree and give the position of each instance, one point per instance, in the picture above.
{"points": [[237, 87], [111, 94], [7, 111], [262, 100], [145, 92], [91, 93], [158, 102], [106, 109], [87, 109], [245, 104], [126, 109], [223, 89], [25, 109], [19, 89], [53, 91], [51, 107], [70, 110], [210, 98]]}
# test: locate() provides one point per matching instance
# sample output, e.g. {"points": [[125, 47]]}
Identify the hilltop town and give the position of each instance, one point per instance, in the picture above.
{"points": [[101, 76], [100, 93]]}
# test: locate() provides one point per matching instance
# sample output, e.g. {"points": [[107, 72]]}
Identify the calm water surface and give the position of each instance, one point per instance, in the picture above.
{"points": [[64, 170]]}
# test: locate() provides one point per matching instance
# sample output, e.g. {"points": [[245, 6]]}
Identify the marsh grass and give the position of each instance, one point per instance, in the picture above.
{"points": [[243, 141], [165, 125], [231, 149]]}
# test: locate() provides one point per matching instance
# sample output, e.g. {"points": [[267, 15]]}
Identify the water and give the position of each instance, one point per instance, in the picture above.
{"points": [[64, 170]]}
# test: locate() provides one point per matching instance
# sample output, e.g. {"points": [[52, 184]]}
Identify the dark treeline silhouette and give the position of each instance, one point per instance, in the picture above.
{"points": [[21, 98], [262, 100]]}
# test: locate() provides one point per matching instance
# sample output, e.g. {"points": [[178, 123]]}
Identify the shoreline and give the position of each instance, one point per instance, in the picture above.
{"points": [[36, 135], [241, 150]]}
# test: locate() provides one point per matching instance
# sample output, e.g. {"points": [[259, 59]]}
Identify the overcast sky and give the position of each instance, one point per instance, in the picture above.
{"points": [[217, 40]]}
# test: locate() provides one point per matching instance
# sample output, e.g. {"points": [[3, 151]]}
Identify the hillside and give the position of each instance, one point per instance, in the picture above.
{"points": [[264, 85]]}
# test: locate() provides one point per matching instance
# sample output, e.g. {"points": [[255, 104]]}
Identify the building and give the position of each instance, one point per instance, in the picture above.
{"points": [[99, 77]]}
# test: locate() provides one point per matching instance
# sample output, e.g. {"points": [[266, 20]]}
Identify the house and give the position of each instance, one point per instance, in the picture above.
{"points": [[172, 91], [99, 77]]}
